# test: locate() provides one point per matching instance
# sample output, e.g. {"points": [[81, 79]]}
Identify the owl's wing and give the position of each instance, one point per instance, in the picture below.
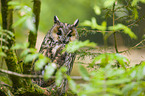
{"points": [[46, 44], [69, 60], [44, 49]]}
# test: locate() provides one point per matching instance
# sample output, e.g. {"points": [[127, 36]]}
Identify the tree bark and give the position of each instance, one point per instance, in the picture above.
{"points": [[36, 10], [11, 59]]}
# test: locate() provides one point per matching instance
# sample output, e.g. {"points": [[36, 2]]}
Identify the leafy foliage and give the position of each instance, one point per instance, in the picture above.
{"points": [[75, 45], [125, 29], [5, 35], [25, 13], [103, 76]]}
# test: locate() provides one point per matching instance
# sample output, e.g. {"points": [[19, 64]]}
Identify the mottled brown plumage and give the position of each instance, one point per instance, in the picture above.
{"points": [[54, 42]]}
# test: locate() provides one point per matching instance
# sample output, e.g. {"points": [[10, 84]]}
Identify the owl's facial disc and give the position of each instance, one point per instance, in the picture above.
{"points": [[63, 32]]}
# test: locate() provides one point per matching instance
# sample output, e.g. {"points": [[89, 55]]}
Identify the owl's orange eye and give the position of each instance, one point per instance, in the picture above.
{"points": [[59, 32]]}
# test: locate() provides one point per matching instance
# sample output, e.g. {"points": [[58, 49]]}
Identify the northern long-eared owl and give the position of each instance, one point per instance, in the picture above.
{"points": [[54, 42]]}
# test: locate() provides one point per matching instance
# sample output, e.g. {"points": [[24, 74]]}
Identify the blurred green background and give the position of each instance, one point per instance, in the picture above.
{"points": [[70, 10]]}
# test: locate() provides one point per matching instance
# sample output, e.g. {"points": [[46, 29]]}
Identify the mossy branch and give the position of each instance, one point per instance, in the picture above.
{"points": [[11, 59], [33, 36]]}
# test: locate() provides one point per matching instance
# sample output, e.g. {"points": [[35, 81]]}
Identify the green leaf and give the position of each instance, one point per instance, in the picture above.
{"points": [[84, 73], [114, 91], [86, 23], [94, 23], [108, 3], [49, 71], [30, 25], [20, 46], [134, 2], [97, 10], [41, 62], [122, 60], [20, 21], [58, 78], [4, 47], [123, 27], [59, 75], [72, 84], [30, 57], [135, 13], [27, 51], [9, 33], [109, 58], [2, 54], [76, 45], [128, 87], [5, 79], [13, 3], [118, 81]]}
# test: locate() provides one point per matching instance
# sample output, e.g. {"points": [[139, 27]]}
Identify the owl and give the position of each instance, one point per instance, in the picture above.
{"points": [[53, 44]]}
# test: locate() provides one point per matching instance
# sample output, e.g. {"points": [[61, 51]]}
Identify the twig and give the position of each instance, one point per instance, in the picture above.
{"points": [[143, 17], [134, 46], [115, 40], [36, 10], [84, 29], [32, 76]]}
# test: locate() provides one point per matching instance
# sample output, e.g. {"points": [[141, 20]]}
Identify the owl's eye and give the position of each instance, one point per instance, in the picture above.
{"points": [[59, 32]]}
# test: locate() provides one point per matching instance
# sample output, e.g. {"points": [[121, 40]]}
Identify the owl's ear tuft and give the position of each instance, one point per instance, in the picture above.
{"points": [[76, 23], [56, 20]]}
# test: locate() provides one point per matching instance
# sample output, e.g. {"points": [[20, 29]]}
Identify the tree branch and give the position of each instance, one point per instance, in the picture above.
{"points": [[32, 76], [136, 46], [36, 10]]}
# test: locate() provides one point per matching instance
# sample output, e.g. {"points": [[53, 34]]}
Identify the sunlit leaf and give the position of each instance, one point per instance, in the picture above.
{"points": [[134, 2], [2, 54], [59, 75], [118, 81], [97, 10], [9, 33], [41, 62], [109, 58], [25, 52], [84, 73], [72, 84], [109, 3], [94, 23], [58, 78], [122, 60], [13, 3], [135, 13], [20, 21], [30, 25], [20, 45], [4, 47], [116, 91], [30, 57], [87, 23], [128, 87], [76, 45], [125, 29], [49, 70]]}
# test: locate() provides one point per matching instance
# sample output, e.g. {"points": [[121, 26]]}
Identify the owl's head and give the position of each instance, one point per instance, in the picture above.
{"points": [[64, 32]]}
